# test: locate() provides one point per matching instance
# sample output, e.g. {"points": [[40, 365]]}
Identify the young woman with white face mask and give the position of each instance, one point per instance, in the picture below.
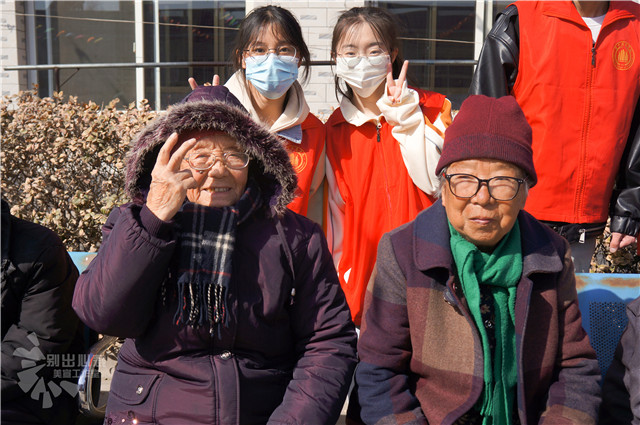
{"points": [[383, 145], [268, 52]]}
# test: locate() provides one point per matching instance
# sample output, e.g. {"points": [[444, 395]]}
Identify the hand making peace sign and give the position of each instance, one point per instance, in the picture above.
{"points": [[394, 88], [214, 82]]}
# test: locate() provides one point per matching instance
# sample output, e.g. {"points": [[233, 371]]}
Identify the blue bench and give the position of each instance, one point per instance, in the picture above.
{"points": [[603, 299], [82, 259]]}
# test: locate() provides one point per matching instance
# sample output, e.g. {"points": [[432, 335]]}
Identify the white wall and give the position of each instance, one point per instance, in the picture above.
{"points": [[12, 48]]}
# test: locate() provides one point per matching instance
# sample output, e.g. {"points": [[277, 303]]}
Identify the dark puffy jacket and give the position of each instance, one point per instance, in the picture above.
{"points": [[39, 326], [286, 357]]}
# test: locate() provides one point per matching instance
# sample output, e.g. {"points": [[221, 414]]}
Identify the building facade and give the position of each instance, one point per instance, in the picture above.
{"points": [[147, 49]]}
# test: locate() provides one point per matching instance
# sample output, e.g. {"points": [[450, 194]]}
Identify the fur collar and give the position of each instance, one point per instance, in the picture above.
{"points": [[270, 165]]}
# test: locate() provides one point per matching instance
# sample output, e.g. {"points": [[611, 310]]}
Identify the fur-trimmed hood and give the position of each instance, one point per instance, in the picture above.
{"points": [[214, 108]]}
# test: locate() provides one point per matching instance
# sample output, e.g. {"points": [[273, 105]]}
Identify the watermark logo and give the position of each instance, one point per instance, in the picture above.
{"points": [[64, 366]]}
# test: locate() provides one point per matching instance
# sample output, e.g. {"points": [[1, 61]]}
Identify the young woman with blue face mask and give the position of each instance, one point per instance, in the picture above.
{"points": [[383, 145], [268, 53]]}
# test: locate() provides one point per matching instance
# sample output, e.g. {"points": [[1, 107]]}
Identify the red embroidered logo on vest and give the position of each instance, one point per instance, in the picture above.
{"points": [[298, 157], [623, 55]]}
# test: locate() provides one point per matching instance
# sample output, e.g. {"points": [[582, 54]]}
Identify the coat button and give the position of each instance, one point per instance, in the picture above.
{"points": [[139, 389], [225, 355]]}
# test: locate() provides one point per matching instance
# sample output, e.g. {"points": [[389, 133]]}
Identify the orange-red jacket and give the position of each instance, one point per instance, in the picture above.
{"points": [[579, 98], [379, 195], [305, 158]]}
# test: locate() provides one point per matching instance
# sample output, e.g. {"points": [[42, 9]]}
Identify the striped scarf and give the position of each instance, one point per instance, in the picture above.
{"points": [[206, 242]]}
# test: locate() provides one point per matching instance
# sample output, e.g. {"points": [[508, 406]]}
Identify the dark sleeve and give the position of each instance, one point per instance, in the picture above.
{"points": [[497, 67], [625, 214], [116, 295], [384, 347], [47, 324], [574, 394], [325, 340], [621, 387]]}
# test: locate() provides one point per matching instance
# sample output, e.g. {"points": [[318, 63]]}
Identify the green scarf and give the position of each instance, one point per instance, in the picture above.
{"points": [[500, 269]]}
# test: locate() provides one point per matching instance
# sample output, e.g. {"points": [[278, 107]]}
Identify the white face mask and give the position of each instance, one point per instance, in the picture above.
{"points": [[362, 73]]}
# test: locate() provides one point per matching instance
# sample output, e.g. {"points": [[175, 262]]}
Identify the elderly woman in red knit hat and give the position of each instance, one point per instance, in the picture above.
{"points": [[472, 317]]}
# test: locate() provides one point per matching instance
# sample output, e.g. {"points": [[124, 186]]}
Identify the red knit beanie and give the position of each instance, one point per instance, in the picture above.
{"points": [[486, 127]]}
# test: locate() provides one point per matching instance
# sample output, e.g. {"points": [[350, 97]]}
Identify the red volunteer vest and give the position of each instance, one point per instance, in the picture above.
{"points": [[378, 192], [579, 102], [304, 158]]}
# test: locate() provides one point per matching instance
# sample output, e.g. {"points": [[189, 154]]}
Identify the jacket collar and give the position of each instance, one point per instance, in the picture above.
{"points": [[272, 170], [353, 115], [566, 10], [431, 247], [292, 134], [295, 111]]}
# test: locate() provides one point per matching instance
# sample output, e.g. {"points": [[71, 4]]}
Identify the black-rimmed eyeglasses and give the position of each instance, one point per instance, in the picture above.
{"points": [[203, 161], [501, 188]]}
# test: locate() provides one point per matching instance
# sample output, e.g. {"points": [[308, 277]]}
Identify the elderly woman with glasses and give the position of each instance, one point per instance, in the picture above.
{"points": [[230, 302], [472, 316]]}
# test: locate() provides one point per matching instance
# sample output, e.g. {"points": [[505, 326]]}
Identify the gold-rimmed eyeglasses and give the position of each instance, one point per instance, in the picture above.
{"points": [[259, 54], [203, 161]]}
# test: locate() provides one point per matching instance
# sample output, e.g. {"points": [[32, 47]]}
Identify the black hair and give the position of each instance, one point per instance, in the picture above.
{"points": [[385, 28], [283, 25]]}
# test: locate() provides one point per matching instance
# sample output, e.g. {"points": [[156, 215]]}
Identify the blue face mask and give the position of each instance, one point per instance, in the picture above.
{"points": [[272, 76]]}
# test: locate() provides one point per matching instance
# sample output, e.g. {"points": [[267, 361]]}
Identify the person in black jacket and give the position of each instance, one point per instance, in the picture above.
{"points": [[41, 334]]}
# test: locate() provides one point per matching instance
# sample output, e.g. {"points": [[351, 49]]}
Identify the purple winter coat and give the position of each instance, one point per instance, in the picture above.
{"points": [[283, 358]]}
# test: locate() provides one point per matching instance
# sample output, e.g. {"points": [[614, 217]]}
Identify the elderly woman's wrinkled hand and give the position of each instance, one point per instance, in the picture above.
{"points": [[169, 183]]}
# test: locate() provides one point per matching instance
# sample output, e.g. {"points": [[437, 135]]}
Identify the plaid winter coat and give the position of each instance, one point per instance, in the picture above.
{"points": [[420, 353], [285, 356]]}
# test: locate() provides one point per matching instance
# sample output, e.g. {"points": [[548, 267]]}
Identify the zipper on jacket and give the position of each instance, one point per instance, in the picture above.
{"points": [[386, 176], [586, 122]]}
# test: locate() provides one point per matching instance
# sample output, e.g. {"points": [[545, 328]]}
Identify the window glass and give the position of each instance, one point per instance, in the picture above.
{"points": [[91, 31], [69, 32], [193, 31], [437, 30]]}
